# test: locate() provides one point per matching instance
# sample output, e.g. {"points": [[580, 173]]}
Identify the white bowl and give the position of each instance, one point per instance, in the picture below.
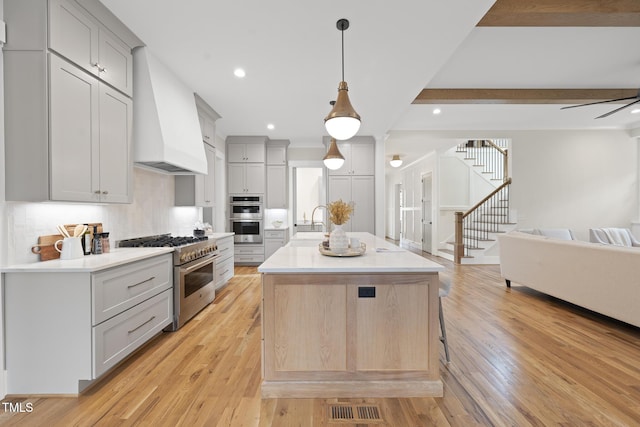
{"points": [[277, 224]]}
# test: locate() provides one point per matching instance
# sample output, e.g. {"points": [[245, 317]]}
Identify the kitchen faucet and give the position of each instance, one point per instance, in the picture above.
{"points": [[313, 217]]}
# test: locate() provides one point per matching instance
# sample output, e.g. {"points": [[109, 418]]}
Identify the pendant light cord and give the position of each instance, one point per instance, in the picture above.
{"points": [[342, 32]]}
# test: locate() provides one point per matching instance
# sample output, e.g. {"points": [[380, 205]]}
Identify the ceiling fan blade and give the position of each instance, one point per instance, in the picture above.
{"points": [[601, 102], [618, 109]]}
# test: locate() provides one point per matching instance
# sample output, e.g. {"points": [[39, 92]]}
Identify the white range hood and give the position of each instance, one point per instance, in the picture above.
{"points": [[166, 130]]}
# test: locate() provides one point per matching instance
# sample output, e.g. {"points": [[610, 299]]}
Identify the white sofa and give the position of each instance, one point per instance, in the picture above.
{"points": [[601, 278]]}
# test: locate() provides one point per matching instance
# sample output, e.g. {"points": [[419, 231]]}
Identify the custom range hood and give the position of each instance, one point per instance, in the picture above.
{"points": [[166, 129]]}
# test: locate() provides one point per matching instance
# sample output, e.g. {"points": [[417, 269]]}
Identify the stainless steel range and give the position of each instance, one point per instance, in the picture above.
{"points": [[193, 272]]}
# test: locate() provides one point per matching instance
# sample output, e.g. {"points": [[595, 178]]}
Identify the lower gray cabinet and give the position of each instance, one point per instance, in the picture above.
{"points": [[66, 328]]}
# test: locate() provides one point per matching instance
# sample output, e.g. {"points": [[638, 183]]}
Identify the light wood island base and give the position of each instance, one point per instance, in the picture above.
{"points": [[350, 335]]}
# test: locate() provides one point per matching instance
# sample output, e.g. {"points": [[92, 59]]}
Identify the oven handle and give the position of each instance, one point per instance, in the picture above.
{"points": [[200, 264]]}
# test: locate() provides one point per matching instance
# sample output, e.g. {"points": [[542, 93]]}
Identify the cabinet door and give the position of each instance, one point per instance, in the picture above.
{"points": [[254, 153], [205, 184], [115, 63], [115, 164], [340, 188], [255, 178], [270, 246], [236, 153], [362, 196], [73, 34], [208, 130], [74, 137], [276, 187], [236, 178], [390, 328], [362, 159], [276, 155]]}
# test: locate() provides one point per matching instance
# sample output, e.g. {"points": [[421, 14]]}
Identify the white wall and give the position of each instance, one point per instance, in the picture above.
{"points": [[575, 179], [3, 225]]}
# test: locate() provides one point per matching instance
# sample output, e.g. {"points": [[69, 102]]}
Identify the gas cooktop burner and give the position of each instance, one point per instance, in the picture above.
{"points": [[164, 240]]}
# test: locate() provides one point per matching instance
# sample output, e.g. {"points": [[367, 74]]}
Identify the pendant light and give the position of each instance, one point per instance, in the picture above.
{"points": [[396, 161], [342, 122], [333, 159]]}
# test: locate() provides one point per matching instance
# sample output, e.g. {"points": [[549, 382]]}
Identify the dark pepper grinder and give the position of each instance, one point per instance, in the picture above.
{"points": [[96, 244]]}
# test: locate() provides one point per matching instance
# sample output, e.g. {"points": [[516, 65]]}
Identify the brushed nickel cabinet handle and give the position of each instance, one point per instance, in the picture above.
{"points": [[140, 283], [140, 326]]}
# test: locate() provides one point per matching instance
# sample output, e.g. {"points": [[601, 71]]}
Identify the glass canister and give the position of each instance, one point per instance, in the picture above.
{"points": [[106, 247]]}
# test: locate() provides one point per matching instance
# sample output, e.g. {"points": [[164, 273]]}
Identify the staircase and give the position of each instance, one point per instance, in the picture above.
{"points": [[476, 230]]}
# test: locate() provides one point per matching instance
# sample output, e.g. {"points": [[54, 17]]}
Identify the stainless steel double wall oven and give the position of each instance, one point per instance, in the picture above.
{"points": [[246, 218]]}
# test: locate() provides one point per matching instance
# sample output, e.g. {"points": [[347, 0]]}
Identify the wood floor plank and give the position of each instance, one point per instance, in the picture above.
{"points": [[519, 357]]}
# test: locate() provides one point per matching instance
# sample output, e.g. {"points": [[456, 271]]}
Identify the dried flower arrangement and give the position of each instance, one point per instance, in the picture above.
{"points": [[339, 212]]}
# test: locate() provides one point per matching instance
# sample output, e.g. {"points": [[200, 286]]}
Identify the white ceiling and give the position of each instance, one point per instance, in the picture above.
{"points": [[290, 50]]}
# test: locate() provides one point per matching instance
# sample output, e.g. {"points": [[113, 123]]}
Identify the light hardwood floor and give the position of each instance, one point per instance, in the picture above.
{"points": [[518, 358]]}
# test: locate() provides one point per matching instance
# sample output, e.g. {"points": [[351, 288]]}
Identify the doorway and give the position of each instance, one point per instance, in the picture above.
{"points": [[309, 191], [427, 213]]}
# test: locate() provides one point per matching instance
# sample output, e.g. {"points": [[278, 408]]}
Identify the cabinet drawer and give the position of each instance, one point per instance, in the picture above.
{"points": [[224, 271], [250, 259], [274, 234], [120, 288], [119, 336], [225, 247], [242, 250]]}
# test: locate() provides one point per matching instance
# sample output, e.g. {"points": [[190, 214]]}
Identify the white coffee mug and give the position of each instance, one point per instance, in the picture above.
{"points": [[71, 248]]}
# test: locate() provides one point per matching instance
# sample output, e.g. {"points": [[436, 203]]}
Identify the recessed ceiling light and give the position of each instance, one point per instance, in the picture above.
{"points": [[270, 126], [635, 111], [239, 72], [437, 111]]}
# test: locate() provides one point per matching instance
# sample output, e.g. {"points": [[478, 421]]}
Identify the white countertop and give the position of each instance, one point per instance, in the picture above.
{"points": [[301, 255], [89, 263], [220, 235]]}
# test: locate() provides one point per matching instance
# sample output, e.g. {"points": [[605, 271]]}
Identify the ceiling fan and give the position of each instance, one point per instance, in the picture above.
{"points": [[636, 99]]}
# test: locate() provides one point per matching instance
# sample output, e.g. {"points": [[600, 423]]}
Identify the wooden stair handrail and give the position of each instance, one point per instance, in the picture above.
{"points": [[458, 246], [481, 202]]}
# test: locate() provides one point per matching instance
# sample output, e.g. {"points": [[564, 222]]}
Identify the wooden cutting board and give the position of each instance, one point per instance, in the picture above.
{"points": [[45, 247]]}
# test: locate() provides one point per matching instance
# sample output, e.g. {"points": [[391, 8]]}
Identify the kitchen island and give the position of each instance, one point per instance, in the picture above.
{"points": [[364, 326]]}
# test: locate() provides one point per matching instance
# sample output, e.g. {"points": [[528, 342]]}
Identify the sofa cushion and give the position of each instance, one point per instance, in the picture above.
{"points": [[556, 233], [617, 236]]}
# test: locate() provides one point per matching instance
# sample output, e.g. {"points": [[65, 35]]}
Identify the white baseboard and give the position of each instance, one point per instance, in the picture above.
{"points": [[3, 383]]}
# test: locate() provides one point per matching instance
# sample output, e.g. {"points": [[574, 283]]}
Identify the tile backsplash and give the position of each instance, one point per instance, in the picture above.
{"points": [[152, 212]]}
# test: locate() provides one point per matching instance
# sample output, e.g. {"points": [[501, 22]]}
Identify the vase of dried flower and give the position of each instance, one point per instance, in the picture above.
{"points": [[338, 240]]}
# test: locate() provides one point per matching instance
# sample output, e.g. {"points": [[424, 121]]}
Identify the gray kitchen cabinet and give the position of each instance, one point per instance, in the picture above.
{"points": [[198, 190], [207, 117], [277, 153], [224, 261], [277, 175], [81, 323], [78, 37], [246, 153], [277, 187], [359, 157], [358, 190], [90, 137], [274, 240], [246, 149], [246, 178], [247, 254], [68, 131]]}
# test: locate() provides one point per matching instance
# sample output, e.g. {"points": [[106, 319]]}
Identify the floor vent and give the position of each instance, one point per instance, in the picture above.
{"points": [[354, 413]]}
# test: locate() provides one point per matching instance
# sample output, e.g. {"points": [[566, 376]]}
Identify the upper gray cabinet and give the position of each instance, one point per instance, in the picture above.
{"points": [[75, 35], [68, 106], [359, 156], [246, 149]]}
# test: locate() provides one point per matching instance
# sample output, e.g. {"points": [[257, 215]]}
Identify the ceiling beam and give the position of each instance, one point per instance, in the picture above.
{"points": [[520, 96], [563, 13]]}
